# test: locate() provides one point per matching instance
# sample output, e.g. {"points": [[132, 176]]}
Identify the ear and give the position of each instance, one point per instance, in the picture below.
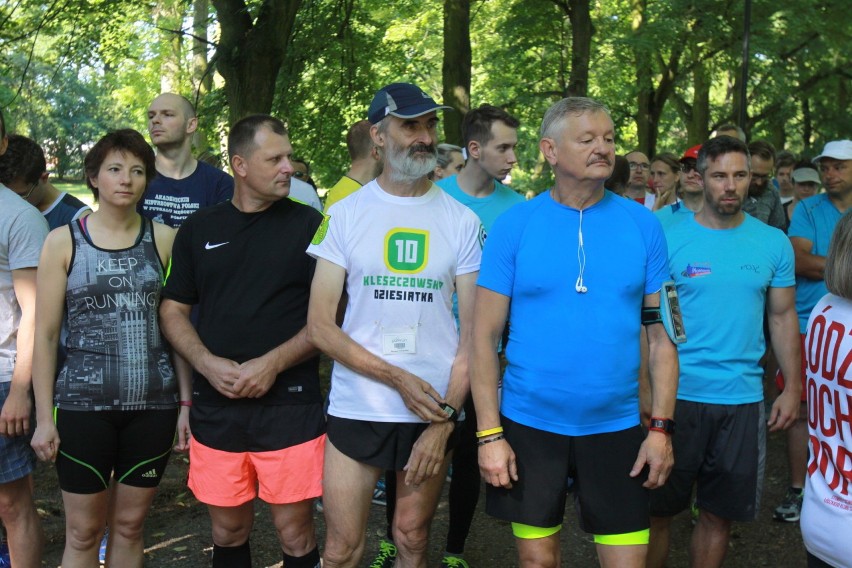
{"points": [[548, 149], [239, 166], [43, 177], [93, 181], [474, 149], [192, 125], [3, 143], [377, 137]]}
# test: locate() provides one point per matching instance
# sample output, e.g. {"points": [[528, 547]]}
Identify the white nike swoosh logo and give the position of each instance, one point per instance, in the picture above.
{"points": [[208, 246]]}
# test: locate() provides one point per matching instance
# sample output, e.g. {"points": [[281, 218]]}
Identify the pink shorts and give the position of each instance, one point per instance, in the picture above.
{"points": [[779, 376], [229, 479]]}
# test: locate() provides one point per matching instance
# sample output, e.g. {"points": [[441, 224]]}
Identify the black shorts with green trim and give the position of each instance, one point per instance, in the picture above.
{"points": [[132, 445], [721, 448], [608, 501]]}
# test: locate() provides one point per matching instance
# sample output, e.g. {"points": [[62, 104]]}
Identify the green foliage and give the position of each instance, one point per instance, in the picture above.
{"points": [[71, 70]]}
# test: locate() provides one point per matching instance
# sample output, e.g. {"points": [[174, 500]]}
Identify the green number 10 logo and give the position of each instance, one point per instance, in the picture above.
{"points": [[406, 250]]}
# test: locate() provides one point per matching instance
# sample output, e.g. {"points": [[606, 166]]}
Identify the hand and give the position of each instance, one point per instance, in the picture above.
{"points": [[497, 464], [656, 452], [15, 416], [256, 377], [221, 373], [46, 441], [785, 410], [183, 431], [428, 454], [420, 398]]}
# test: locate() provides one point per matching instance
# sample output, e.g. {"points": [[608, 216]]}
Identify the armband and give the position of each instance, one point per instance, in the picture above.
{"points": [[667, 314]]}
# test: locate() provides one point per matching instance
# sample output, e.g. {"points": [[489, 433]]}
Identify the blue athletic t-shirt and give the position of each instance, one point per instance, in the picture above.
{"points": [[722, 277], [813, 219], [574, 358], [487, 208], [674, 213]]}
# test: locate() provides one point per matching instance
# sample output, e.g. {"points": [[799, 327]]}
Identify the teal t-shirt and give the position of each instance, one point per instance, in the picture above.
{"points": [[674, 213], [722, 278], [813, 219], [487, 208]]}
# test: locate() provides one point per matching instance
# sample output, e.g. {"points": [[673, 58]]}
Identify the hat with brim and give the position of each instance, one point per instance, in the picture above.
{"points": [[402, 100], [837, 149], [806, 175]]}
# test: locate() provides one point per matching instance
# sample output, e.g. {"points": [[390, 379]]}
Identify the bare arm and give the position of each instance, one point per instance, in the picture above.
{"points": [[496, 460], [324, 333], [808, 265], [428, 452], [50, 307], [15, 415], [656, 450], [784, 334]]}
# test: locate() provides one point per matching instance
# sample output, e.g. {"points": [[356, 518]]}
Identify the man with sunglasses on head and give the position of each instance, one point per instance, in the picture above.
{"points": [[763, 202], [23, 170], [692, 191]]}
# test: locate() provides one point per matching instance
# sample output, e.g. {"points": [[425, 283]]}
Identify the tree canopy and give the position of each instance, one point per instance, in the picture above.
{"points": [[669, 71]]}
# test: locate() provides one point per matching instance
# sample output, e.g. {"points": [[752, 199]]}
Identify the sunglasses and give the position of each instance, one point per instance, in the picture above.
{"points": [[299, 175], [687, 167], [638, 166], [26, 196]]}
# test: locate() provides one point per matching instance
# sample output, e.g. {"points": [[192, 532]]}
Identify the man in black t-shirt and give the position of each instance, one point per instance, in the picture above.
{"points": [[256, 420]]}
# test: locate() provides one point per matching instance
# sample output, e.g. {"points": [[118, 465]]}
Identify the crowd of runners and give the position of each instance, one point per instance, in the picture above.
{"points": [[606, 340]]}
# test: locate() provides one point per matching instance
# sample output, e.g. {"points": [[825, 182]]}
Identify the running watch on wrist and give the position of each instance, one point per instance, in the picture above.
{"points": [[664, 425]]}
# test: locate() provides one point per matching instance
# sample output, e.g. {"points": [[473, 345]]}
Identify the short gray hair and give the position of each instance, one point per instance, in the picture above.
{"points": [[568, 106]]}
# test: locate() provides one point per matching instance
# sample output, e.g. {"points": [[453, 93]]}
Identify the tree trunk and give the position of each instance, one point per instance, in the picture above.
{"points": [[202, 80], [456, 68], [169, 20], [700, 116], [251, 51], [581, 47]]}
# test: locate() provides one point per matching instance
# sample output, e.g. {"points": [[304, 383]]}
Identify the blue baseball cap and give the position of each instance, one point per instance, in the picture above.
{"points": [[402, 100]]}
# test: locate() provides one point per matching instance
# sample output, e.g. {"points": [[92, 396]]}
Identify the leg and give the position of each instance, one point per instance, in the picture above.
{"points": [[127, 511], [709, 542], [85, 518], [465, 484], [415, 508], [618, 556], [797, 448], [347, 494], [231, 525], [658, 547], [294, 523], [23, 526], [539, 552]]}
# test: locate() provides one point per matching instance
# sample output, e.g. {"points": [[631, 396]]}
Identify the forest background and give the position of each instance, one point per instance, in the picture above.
{"points": [[670, 70]]}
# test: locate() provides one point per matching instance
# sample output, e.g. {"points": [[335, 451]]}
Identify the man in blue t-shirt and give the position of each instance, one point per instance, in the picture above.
{"points": [[183, 184], [23, 169], [569, 405], [490, 137], [729, 269], [810, 232]]}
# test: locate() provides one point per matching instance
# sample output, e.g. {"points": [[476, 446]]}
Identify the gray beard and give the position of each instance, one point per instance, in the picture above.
{"points": [[407, 168]]}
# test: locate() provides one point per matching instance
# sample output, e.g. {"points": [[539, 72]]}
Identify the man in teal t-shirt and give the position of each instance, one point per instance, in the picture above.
{"points": [[729, 269]]}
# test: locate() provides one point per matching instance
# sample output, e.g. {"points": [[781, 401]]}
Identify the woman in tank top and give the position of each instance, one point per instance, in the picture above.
{"points": [[112, 410]]}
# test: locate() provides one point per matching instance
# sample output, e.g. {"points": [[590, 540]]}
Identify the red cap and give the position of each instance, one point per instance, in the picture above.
{"points": [[691, 154]]}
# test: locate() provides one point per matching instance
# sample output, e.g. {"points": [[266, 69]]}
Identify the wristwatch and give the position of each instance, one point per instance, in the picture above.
{"points": [[664, 425]]}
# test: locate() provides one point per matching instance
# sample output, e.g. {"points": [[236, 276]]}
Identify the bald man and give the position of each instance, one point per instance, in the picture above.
{"points": [[183, 184]]}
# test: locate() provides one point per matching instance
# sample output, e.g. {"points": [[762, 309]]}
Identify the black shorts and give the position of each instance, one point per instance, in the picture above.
{"points": [[722, 448], [607, 499], [386, 445], [245, 426], [133, 445]]}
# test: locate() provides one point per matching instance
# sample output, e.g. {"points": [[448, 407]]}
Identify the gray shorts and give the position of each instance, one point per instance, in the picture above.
{"points": [[722, 449], [17, 458]]}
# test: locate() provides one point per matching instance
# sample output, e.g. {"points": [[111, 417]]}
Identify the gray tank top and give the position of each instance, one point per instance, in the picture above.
{"points": [[117, 358]]}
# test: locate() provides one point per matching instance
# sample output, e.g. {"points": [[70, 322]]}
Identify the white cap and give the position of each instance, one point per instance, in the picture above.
{"points": [[837, 149], [806, 175]]}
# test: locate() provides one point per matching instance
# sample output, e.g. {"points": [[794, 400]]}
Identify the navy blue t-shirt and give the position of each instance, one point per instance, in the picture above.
{"points": [[171, 201]]}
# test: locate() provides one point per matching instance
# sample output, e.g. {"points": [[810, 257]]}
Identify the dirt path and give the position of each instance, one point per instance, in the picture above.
{"points": [[178, 529]]}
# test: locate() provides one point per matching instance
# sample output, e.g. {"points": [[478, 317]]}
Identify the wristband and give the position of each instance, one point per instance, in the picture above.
{"points": [[185, 403], [489, 440], [452, 413], [483, 433], [664, 425]]}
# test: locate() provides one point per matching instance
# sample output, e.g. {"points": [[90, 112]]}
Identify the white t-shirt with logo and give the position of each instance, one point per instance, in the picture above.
{"points": [[827, 505], [401, 255]]}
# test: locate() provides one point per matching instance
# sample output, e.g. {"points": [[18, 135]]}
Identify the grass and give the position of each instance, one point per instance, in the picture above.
{"points": [[76, 188]]}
